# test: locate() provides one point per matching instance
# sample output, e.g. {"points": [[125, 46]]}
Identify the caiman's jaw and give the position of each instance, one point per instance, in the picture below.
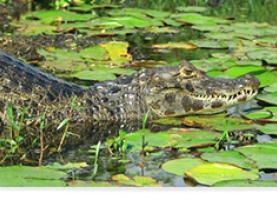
{"points": [[186, 90]]}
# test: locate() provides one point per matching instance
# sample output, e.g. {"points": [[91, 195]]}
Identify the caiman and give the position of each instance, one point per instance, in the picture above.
{"points": [[163, 91], [160, 92]]}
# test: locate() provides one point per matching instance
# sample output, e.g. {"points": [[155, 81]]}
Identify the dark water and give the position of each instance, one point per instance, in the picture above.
{"points": [[245, 11]]}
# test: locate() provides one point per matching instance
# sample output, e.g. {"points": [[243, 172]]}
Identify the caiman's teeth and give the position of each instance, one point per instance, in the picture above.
{"points": [[226, 97]]}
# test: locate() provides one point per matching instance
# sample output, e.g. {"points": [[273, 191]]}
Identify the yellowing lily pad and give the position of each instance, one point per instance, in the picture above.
{"points": [[210, 173], [139, 181], [118, 51], [171, 45]]}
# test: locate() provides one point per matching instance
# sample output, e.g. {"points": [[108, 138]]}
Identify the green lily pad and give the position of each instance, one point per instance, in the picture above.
{"points": [[263, 154], [267, 114], [262, 53], [210, 173], [94, 75], [213, 28], [212, 44], [104, 23], [230, 157], [191, 9], [246, 183], [156, 13], [33, 27], [215, 121], [266, 77], [200, 134], [179, 166], [268, 98], [23, 176], [154, 140], [51, 16], [132, 22], [237, 71], [271, 88], [95, 53], [198, 19], [219, 36], [194, 143], [267, 128]]}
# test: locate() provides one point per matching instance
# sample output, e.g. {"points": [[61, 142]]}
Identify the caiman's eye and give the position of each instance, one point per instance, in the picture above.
{"points": [[187, 70]]}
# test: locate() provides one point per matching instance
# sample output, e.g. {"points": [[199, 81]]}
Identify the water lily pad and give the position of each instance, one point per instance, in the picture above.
{"points": [[266, 77], [95, 53], [69, 165], [170, 45], [51, 16], [213, 28], [216, 121], [230, 157], [156, 13], [104, 23], [94, 75], [194, 143], [81, 183], [209, 43], [161, 139], [118, 51], [267, 114], [246, 183], [219, 36], [263, 53], [237, 71], [139, 181], [268, 98], [23, 176], [200, 134], [33, 27], [263, 154], [198, 19], [191, 9], [210, 173], [267, 128], [132, 22], [179, 166], [271, 88]]}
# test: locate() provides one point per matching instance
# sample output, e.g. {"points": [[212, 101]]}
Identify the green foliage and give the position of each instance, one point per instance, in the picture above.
{"points": [[117, 144]]}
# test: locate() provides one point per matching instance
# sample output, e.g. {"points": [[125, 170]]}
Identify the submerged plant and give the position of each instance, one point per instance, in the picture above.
{"points": [[66, 123]]}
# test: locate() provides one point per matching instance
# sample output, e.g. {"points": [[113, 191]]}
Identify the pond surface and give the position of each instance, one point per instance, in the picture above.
{"points": [[133, 162]]}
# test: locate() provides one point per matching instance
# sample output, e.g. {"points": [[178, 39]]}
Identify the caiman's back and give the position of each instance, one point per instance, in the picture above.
{"points": [[23, 85]]}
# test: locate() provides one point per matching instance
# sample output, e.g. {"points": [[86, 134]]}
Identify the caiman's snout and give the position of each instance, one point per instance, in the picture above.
{"points": [[250, 81], [190, 91]]}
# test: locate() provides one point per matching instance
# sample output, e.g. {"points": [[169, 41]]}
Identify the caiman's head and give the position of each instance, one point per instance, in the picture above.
{"points": [[183, 90]]}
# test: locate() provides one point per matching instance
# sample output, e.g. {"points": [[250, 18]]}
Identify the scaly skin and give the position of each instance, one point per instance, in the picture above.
{"points": [[164, 92]]}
